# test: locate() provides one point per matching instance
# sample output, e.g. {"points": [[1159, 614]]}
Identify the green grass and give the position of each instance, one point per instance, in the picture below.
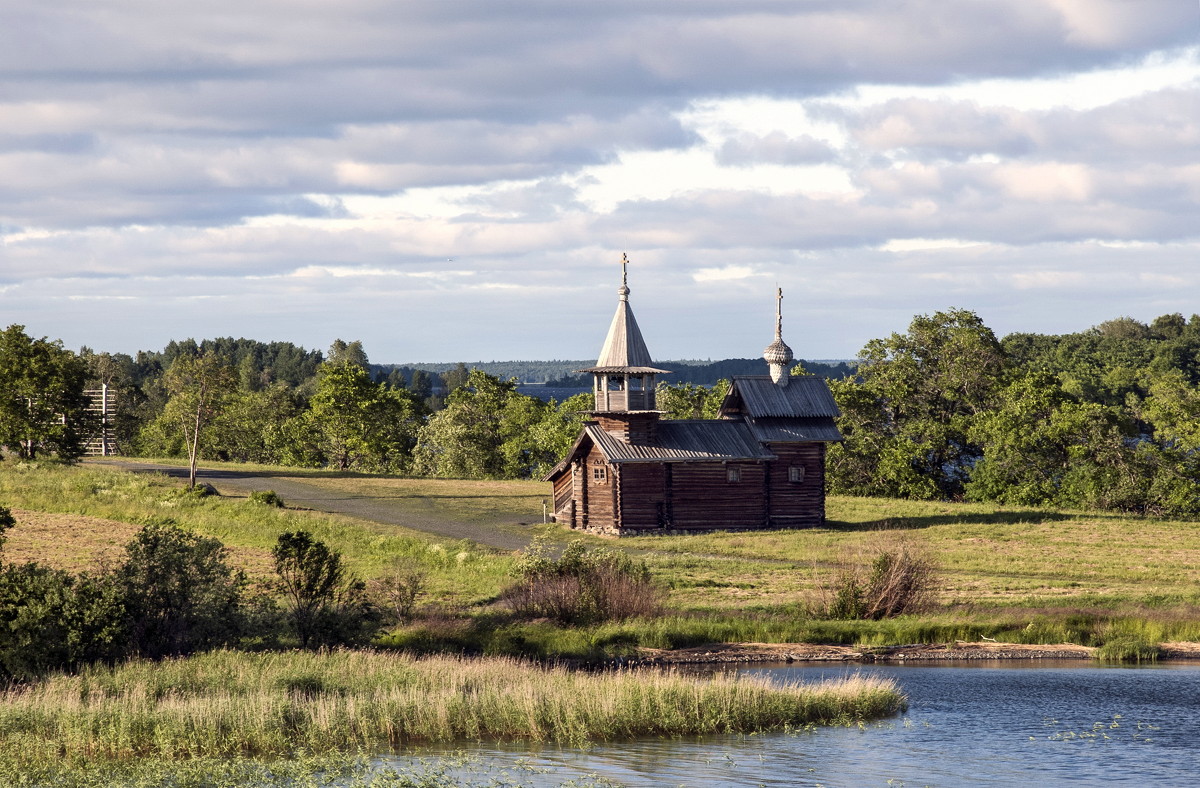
{"points": [[230, 704], [1011, 573], [460, 572]]}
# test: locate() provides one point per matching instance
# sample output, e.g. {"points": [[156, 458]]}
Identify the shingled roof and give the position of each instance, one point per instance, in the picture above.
{"points": [[624, 349], [684, 441], [806, 396]]}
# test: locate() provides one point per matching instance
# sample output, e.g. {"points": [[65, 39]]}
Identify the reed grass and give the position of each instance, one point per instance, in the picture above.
{"points": [[232, 704], [306, 771]]}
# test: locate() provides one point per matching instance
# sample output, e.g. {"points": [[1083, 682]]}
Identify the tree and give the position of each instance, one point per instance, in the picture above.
{"points": [[486, 431], [41, 396], [180, 594], [341, 353], [199, 387], [252, 425], [691, 400], [454, 379], [422, 385], [548, 441], [919, 393], [327, 606], [358, 423]]}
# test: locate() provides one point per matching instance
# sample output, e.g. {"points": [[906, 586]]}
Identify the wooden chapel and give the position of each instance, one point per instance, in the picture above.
{"points": [[760, 464]]}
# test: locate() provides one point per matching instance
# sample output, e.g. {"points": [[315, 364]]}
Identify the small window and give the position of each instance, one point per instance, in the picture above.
{"points": [[599, 474], [733, 473], [796, 474]]}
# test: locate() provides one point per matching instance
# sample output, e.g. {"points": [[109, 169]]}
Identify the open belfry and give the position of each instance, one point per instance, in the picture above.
{"points": [[760, 464]]}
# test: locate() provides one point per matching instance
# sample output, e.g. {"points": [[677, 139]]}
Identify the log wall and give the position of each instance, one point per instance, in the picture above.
{"points": [[600, 496], [702, 498], [797, 504], [643, 490]]}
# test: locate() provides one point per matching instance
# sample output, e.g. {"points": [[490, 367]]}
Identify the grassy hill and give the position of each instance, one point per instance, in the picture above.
{"points": [[1021, 574]]}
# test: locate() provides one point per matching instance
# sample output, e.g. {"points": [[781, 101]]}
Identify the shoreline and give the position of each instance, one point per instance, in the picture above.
{"points": [[755, 653]]}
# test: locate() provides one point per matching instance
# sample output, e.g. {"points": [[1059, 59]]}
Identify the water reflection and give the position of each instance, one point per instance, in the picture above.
{"points": [[1006, 724]]}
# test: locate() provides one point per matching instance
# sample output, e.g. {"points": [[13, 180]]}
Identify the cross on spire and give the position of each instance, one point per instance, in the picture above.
{"points": [[624, 289], [778, 312]]}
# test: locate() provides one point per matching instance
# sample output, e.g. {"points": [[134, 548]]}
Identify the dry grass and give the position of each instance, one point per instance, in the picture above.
{"points": [[988, 555], [236, 704], [78, 543]]}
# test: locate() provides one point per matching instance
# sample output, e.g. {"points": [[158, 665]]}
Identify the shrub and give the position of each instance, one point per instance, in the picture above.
{"points": [[51, 620], [396, 591], [266, 498], [180, 596], [898, 581], [581, 586], [328, 606]]}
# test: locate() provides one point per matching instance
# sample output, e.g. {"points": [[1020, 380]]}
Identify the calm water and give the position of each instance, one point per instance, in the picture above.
{"points": [[975, 725]]}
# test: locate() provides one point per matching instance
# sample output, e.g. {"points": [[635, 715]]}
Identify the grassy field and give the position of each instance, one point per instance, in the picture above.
{"points": [[1026, 575], [79, 517]]}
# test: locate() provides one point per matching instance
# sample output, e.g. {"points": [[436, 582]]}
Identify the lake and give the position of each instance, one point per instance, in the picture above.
{"points": [[996, 724]]}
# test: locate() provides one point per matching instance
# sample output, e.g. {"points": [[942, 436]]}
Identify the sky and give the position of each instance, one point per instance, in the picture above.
{"points": [[458, 180]]}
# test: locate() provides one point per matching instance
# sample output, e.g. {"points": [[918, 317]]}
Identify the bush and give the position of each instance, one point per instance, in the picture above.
{"points": [[51, 620], [180, 595], [266, 498], [328, 606], [582, 587], [396, 591], [898, 581]]}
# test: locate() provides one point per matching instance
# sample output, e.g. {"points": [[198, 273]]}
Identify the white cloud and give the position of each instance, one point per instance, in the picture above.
{"points": [[726, 274], [430, 176]]}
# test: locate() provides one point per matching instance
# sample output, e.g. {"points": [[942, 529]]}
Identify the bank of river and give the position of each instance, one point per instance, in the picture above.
{"points": [[1004, 723], [748, 653]]}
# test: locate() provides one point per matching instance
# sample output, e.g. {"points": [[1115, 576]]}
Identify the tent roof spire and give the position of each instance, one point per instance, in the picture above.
{"points": [[624, 350]]}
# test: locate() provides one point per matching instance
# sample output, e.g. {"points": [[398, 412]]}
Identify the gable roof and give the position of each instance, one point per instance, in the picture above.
{"points": [[699, 440], [775, 430], [805, 397], [684, 441]]}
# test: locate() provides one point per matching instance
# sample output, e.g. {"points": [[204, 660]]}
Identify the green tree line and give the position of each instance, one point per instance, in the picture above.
{"points": [[1104, 418]]}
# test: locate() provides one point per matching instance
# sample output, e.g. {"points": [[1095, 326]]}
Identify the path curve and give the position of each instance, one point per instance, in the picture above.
{"points": [[364, 507]]}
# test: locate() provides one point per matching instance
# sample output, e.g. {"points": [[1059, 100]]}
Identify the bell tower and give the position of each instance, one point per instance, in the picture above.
{"points": [[623, 377]]}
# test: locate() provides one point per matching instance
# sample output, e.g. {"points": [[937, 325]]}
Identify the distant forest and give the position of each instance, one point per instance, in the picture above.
{"points": [[1106, 418], [560, 374]]}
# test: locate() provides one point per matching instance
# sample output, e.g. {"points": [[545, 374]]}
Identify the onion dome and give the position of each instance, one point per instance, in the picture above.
{"points": [[778, 354]]}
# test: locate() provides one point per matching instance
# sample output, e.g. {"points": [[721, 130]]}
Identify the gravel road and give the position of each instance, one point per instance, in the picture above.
{"points": [[502, 536]]}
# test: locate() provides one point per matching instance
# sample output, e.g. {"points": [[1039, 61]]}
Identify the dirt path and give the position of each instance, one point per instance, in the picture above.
{"points": [[296, 493]]}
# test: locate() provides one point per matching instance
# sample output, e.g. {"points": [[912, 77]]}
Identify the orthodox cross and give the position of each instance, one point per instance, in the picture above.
{"points": [[778, 312]]}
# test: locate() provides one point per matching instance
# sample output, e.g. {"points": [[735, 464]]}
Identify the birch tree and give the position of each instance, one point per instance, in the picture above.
{"points": [[199, 387]]}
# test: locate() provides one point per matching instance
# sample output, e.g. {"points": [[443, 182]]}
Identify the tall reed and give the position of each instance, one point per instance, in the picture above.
{"points": [[276, 704]]}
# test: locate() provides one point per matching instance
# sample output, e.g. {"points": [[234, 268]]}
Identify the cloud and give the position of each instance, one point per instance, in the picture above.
{"points": [[306, 171]]}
